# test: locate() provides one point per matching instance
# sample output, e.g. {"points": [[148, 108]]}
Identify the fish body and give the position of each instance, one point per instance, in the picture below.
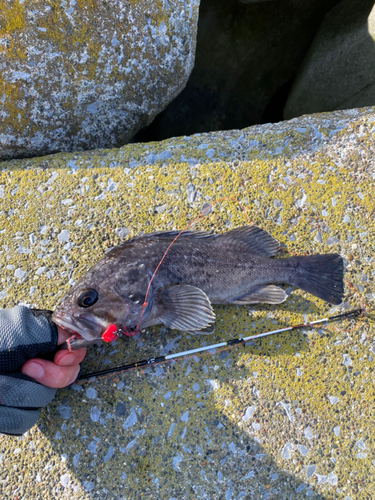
{"points": [[198, 269]]}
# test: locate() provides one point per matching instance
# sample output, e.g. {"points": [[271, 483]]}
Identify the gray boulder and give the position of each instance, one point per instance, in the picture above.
{"points": [[85, 75], [339, 69]]}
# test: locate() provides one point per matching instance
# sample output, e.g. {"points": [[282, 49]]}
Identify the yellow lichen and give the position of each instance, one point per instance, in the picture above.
{"points": [[11, 16]]}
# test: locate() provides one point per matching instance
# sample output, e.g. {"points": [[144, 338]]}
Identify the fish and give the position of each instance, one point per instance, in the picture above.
{"points": [[199, 269]]}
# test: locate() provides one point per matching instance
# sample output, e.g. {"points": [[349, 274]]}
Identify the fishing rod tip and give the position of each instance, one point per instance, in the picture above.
{"points": [[360, 311]]}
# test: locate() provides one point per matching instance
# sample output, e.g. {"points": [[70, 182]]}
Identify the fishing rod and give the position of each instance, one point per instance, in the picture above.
{"points": [[228, 343]]}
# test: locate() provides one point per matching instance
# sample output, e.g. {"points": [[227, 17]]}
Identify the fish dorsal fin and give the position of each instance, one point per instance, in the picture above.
{"points": [[184, 307], [257, 240], [173, 234]]}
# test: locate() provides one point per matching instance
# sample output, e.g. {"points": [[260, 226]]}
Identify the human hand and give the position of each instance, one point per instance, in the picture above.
{"points": [[60, 372], [25, 336]]}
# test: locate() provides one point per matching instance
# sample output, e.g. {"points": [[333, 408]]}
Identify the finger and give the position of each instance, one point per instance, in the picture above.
{"points": [[64, 357], [69, 358], [49, 374]]}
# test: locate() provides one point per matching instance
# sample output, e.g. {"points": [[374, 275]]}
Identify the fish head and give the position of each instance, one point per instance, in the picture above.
{"points": [[94, 303]]}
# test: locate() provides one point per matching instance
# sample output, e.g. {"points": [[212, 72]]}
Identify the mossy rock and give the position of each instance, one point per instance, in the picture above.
{"points": [[82, 75]]}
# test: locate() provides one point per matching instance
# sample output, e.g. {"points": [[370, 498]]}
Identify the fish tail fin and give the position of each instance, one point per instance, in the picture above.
{"points": [[320, 275]]}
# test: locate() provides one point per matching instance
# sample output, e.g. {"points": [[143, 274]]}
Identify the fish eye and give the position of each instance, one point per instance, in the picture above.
{"points": [[87, 298]]}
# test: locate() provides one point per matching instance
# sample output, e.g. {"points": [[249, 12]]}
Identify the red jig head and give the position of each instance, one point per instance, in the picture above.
{"points": [[109, 333]]}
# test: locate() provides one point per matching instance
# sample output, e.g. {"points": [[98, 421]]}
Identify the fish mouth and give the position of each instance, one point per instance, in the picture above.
{"points": [[86, 327]]}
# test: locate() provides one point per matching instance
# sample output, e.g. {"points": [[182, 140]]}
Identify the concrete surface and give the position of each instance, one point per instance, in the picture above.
{"points": [[289, 416]]}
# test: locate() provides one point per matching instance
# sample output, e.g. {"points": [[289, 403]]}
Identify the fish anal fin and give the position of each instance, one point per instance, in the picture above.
{"points": [[255, 239], [209, 330], [266, 294], [184, 307]]}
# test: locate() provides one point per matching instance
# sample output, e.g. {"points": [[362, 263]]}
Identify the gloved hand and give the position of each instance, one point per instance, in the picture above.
{"points": [[26, 333]]}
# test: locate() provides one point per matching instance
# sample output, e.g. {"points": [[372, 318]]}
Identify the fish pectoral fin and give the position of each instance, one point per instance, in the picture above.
{"points": [[267, 294], [184, 307], [257, 240]]}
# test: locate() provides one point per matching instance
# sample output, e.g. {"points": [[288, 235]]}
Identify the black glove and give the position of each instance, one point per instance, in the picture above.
{"points": [[24, 334]]}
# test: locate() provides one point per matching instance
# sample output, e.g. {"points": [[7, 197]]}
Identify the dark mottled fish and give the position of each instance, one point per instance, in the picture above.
{"points": [[200, 269]]}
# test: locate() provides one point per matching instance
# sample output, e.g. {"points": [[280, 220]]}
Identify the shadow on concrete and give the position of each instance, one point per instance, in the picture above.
{"points": [[137, 446]]}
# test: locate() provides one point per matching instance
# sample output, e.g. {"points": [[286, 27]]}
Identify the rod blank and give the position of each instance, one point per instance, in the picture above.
{"points": [[229, 343]]}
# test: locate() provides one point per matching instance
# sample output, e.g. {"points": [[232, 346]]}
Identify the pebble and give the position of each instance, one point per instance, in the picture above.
{"points": [[109, 454], [91, 393], [333, 399], [185, 417], [88, 485], [318, 237], [95, 414], [285, 452], [65, 411], [191, 193], [307, 433], [122, 232], [336, 430], [20, 273], [310, 469], [248, 413], [76, 459], [176, 460], [302, 449], [63, 236], [131, 420], [64, 480]]}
